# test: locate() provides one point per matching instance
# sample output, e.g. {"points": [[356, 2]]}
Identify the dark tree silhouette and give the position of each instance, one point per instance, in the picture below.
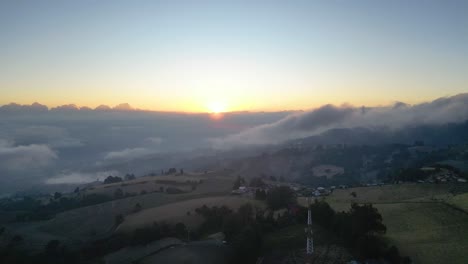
{"points": [[280, 197]]}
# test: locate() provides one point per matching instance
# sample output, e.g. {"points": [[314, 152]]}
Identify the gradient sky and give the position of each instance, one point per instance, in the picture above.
{"points": [[250, 55]]}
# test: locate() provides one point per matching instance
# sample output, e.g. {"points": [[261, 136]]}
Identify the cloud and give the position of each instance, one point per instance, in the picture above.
{"points": [[23, 158], [128, 154], [5, 143], [33, 108], [440, 111], [68, 107], [55, 137], [154, 140], [103, 108], [88, 140], [80, 177], [123, 107]]}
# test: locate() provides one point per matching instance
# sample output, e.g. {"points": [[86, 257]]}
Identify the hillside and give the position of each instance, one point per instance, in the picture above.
{"points": [[419, 218]]}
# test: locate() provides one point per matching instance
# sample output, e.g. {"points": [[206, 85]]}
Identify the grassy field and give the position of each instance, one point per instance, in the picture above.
{"points": [[427, 232], [417, 217], [198, 252], [460, 201], [204, 183], [177, 212], [134, 254], [394, 193], [98, 220]]}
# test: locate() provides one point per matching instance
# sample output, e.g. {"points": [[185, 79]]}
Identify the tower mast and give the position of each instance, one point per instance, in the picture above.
{"points": [[310, 241]]}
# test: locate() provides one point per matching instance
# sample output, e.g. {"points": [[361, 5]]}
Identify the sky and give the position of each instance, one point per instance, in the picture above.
{"points": [[198, 56]]}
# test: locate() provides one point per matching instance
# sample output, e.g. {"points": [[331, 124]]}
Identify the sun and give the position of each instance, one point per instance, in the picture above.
{"points": [[217, 107]]}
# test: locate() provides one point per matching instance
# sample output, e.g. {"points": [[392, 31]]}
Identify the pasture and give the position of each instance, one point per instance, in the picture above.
{"points": [[418, 220], [198, 252], [182, 212], [460, 201], [198, 183], [99, 221]]}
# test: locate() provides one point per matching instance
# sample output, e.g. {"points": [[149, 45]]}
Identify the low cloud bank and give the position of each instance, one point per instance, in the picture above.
{"points": [[53, 136], [128, 154], [40, 108], [80, 177], [440, 111], [23, 158]]}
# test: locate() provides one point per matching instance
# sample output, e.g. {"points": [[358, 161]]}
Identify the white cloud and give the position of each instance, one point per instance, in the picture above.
{"points": [[155, 140], [80, 177], [53, 136], [127, 154], [23, 158], [5, 143], [440, 111]]}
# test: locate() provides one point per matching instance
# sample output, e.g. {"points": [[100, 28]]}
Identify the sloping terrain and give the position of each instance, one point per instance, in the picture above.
{"points": [[182, 211], [419, 221]]}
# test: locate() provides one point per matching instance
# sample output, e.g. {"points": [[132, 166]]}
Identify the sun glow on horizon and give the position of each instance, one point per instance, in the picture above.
{"points": [[217, 107]]}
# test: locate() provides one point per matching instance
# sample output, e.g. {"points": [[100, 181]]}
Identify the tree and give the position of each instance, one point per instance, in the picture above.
{"points": [[112, 179], [52, 247], [238, 183], [118, 194], [16, 240], [119, 219], [171, 171], [57, 195], [129, 177], [180, 230], [280, 197], [245, 212], [411, 174], [246, 245], [257, 182], [322, 213], [366, 220], [137, 208], [260, 194]]}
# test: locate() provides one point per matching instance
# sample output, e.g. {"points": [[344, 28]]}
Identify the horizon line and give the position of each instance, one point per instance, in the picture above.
{"points": [[126, 107]]}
